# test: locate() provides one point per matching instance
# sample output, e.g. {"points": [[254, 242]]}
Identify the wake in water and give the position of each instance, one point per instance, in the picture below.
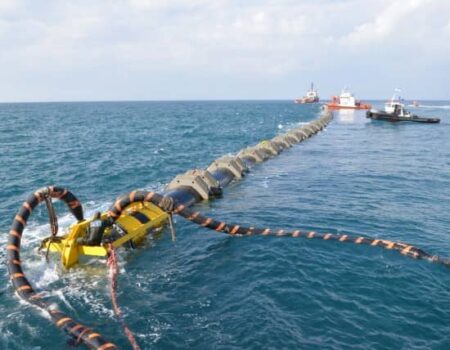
{"points": [[431, 106], [58, 287]]}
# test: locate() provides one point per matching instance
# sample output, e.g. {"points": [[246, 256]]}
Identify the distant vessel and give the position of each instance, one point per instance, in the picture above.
{"points": [[415, 104], [394, 111], [347, 100], [311, 96]]}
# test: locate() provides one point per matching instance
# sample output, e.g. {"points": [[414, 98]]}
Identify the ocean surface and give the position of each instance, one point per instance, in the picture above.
{"points": [[211, 291]]}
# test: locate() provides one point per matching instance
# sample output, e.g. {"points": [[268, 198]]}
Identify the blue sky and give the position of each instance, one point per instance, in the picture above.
{"points": [[198, 49]]}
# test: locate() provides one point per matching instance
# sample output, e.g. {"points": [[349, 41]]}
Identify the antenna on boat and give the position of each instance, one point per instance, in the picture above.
{"points": [[396, 95]]}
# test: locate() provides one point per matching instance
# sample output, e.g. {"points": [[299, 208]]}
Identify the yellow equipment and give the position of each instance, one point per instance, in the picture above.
{"points": [[136, 221]]}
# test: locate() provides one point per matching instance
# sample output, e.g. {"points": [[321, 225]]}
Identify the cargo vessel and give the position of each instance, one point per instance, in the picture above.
{"points": [[311, 96]]}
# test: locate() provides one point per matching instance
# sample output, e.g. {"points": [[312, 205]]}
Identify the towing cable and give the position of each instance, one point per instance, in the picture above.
{"points": [[167, 204]]}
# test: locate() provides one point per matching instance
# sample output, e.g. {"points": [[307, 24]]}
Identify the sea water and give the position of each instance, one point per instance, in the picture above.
{"points": [[211, 291]]}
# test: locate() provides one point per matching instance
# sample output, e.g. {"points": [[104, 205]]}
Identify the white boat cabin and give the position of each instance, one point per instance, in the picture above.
{"points": [[395, 106], [311, 93], [347, 99]]}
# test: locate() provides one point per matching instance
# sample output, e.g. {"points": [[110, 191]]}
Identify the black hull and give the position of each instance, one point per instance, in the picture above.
{"points": [[390, 117]]}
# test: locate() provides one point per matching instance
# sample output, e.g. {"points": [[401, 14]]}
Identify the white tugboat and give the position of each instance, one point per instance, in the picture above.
{"points": [[394, 111], [311, 96]]}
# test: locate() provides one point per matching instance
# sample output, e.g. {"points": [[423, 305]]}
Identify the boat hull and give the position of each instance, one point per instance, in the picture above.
{"points": [[390, 117], [306, 100], [338, 106]]}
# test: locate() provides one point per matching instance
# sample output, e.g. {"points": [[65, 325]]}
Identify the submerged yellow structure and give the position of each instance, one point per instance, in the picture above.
{"points": [[137, 220]]}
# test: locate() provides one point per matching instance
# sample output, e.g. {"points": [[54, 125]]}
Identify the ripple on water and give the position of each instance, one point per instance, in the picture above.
{"points": [[207, 290]]}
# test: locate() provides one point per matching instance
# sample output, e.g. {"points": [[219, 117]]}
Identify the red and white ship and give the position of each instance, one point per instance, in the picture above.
{"points": [[347, 100], [311, 96]]}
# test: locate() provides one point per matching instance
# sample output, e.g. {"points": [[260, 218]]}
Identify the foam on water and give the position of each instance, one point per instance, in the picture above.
{"points": [[435, 106]]}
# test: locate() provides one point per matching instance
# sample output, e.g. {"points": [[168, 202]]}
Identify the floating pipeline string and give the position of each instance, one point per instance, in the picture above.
{"points": [[78, 332], [113, 272], [168, 204]]}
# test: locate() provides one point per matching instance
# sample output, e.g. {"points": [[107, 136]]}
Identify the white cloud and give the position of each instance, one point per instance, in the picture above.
{"points": [[9, 6], [394, 18], [152, 5], [144, 42]]}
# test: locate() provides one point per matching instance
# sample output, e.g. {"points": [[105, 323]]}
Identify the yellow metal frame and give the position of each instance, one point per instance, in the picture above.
{"points": [[71, 250]]}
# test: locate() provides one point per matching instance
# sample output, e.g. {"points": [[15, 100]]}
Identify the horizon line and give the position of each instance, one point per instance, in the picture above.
{"points": [[194, 100]]}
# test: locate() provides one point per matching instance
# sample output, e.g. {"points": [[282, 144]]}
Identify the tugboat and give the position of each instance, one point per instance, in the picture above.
{"points": [[310, 97], [347, 100], [394, 111]]}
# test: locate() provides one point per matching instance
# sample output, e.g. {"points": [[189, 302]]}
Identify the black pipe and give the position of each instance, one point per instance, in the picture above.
{"points": [[187, 196], [223, 176]]}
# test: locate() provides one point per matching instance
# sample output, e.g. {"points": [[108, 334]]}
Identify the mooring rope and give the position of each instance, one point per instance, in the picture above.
{"points": [[53, 220], [113, 272], [168, 204], [78, 332]]}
